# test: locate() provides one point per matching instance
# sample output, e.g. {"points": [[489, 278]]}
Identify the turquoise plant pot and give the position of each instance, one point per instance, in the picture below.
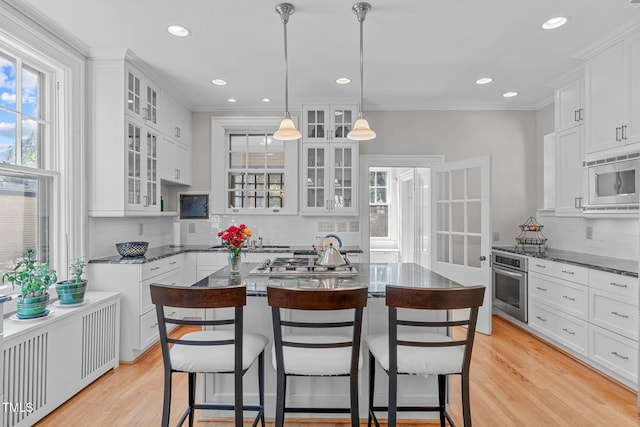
{"points": [[32, 306], [71, 292]]}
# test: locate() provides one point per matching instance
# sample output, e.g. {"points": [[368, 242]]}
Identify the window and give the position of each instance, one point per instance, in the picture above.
{"points": [[256, 178], [26, 177], [379, 203]]}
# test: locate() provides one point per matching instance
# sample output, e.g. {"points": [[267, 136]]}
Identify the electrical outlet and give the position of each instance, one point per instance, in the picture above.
{"points": [[140, 229], [354, 226], [326, 226], [589, 233], [496, 236], [341, 226], [192, 227]]}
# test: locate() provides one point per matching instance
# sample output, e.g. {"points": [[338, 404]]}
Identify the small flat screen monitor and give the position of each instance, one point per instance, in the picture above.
{"points": [[194, 206]]}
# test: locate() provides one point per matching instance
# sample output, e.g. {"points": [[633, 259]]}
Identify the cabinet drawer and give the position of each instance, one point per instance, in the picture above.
{"points": [[560, 270], [614, 352], [211, 258], [611, 312], [563, 328], [618, 284], [170, 278], [149, 333], [565, 296], [152, 269]]}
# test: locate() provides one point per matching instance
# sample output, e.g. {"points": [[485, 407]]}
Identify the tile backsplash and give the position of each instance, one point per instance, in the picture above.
{"points": [[618, 238]]}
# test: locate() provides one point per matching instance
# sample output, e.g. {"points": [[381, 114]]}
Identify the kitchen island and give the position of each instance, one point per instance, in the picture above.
{"points": [[313, 391]]}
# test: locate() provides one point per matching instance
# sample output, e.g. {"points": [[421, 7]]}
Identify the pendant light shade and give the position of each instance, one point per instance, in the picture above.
{"points": [[361, 129], [287, 130]]}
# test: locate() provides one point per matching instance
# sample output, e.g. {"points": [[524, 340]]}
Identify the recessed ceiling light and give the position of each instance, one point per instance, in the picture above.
{"points": [[484, 80], [556, 22], [232, 100], [178, 30], [510, 94], [219, 82], [265, 100], [343, 81]]}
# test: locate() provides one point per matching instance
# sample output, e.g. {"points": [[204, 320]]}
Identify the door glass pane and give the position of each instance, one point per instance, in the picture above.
{"points": [[473, 251], [443, 186], [474, 183], [457, 250], [457, 217], [457, 184], [443, 248], [473, 217]]}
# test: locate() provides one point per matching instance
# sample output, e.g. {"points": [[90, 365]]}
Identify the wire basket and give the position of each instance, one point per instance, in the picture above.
{"points": [[132, 249], [531, 237]]}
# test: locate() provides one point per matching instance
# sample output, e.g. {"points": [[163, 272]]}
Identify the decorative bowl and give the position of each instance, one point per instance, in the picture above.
{"points": [[132, 249]]}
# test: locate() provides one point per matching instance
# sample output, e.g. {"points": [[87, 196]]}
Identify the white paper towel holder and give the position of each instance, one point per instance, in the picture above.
{"points": [[176, 236]]}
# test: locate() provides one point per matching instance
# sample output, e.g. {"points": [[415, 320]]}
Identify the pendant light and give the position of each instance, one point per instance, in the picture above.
{"points": [[361, 130], [287, 130]]}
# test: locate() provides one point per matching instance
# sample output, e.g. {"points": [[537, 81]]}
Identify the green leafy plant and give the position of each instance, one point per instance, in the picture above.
{"points": [[33, 277], [77, 270]]}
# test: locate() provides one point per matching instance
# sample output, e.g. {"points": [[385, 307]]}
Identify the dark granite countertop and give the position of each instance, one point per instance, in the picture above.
{"points": [[626, 267], [154, 254], [375, 276]]}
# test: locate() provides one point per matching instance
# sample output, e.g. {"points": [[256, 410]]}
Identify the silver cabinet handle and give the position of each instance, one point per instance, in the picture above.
{"points": [[153, 326], [538, 317], [155, 268], [568, 331], [541, 289], [615, 353], [568, 272], [174, 262], [618, 130], [623, 133], [569, 298], [624, 316], [620, 285], [576, 115], [541, 266], [580, 111]]}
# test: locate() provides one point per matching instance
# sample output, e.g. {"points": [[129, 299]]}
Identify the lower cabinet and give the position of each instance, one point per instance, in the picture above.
{"points": [[139, 325], [591, 313]]}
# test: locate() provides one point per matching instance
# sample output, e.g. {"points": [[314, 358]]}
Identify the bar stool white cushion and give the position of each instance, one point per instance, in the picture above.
{"points": [[316, 361], [418, 360], [220, 358]]}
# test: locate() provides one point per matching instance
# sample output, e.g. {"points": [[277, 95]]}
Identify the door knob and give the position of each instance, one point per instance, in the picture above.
{"points": [[483, 258]]}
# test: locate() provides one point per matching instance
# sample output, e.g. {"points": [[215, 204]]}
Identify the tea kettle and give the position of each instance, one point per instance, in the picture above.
{"points": [[331, 257]]}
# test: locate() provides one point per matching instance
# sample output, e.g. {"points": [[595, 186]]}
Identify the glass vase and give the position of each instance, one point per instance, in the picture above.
{"points": [[234, 261]]}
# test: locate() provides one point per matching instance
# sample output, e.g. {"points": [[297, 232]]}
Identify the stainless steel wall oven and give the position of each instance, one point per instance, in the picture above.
{"points": [[509, 279]]}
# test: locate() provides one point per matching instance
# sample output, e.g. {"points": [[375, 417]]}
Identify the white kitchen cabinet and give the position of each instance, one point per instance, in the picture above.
{"points": [[175, 160], [569, 171], [176, 120], [123, 155], [612, 92], [591, 312], [327, 123], [569, 104], [329, 185], [209, 262], [142, 96], [139, 329]]}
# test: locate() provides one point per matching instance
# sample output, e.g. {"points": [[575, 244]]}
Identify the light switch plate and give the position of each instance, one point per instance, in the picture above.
{"points": [[341, 226], [326, 226], [140, 229], [354, 226], [589, 233], [192, 227]]}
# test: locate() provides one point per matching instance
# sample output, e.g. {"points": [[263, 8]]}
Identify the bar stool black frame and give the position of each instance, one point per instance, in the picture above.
{"points": [[206, 298], [317, 299], [427, 299]]}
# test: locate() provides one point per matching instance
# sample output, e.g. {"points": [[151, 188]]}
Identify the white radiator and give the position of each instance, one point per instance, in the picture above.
{"points": [[51, 361], [25, 379]]}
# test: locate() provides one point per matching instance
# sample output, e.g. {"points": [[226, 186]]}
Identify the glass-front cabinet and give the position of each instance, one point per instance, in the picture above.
{"points": [[329, 178], [142, 97], [328, 123], [143, 189]]}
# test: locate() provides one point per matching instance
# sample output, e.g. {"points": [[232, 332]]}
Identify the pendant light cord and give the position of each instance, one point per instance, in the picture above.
{"points": [[286, 69], [360, 115]]}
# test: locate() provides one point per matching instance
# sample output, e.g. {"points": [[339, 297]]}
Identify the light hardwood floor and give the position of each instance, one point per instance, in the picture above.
{"points": [[516, 380]]}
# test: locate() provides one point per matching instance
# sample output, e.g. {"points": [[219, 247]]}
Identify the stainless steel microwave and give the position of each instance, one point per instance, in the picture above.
{"points": [[614, 184]]}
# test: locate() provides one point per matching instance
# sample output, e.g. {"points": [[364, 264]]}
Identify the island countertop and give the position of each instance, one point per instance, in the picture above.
{"points": [[375, 276]]}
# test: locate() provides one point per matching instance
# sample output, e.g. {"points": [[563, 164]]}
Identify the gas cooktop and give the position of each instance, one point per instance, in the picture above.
{"points": [[301, 267]]}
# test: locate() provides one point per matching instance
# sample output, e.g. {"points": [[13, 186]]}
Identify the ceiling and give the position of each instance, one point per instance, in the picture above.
{"points": [[418, 54]]}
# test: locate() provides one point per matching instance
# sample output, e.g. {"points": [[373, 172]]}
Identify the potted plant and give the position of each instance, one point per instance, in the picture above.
{"points": [[34, 279], [71, 291]]}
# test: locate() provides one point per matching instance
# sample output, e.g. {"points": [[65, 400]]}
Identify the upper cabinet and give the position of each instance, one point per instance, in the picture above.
{"points": [[176, 120], [328, 123], [569, 104], [125, 151], [612, 97], [329, 178]]}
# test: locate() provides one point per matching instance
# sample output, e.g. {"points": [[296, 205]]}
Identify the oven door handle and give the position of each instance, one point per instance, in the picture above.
{"points": [[508, 273]]}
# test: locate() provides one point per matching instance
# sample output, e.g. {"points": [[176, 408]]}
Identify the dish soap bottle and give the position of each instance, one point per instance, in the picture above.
{"points": [[161, 204]]}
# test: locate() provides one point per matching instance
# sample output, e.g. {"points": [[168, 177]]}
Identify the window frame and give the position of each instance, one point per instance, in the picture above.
{"points": [[63, 106], [221, 126]]}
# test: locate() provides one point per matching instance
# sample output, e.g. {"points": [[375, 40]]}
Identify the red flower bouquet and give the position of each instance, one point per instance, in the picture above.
{"points": [[234, 237]]}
